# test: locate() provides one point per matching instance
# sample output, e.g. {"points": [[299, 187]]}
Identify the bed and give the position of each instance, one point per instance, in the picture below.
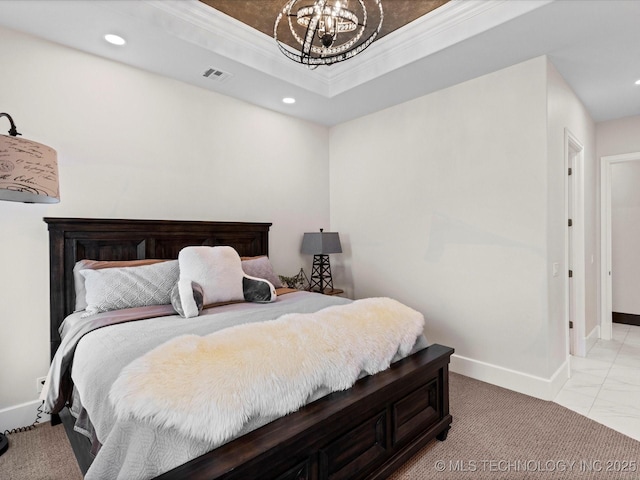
{"points": [[366, 431]]}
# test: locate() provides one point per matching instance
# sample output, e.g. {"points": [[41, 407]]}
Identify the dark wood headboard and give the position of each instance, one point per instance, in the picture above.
{"points": [[73, 239]]}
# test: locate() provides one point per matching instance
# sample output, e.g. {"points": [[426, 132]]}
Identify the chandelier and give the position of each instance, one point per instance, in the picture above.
{"points": [[327, 32]]}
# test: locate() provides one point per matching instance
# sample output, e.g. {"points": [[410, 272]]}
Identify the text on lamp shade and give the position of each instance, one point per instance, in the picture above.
{"points": [[28, 171]]}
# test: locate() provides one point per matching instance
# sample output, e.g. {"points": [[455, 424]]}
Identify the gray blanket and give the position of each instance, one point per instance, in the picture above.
{"points": [[135, 450], [58, 388]]}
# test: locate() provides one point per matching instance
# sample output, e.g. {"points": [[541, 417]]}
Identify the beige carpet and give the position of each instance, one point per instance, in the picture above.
{"points": [[496, 434], [43, 453], [500, 434]]}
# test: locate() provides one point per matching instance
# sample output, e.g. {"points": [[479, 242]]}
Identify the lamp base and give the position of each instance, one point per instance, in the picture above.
{"points": [[4, 444], [320, 274]]}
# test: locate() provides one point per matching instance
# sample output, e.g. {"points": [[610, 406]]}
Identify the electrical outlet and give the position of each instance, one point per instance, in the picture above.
{"points": [[40, 383]]}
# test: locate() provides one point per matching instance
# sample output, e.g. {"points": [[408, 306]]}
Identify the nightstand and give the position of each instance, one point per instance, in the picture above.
{"points": [[332, 291]]}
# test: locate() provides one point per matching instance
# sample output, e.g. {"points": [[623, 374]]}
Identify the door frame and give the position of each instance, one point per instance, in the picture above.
{"points": [[572, 146], [606, 302]]}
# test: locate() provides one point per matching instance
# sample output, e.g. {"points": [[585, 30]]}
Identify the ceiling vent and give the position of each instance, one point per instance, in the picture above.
{"points": [[217, 75]]}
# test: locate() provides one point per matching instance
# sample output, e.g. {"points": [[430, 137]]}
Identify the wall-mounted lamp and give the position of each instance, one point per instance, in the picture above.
{"points": [[320, 245], [28, 170]]}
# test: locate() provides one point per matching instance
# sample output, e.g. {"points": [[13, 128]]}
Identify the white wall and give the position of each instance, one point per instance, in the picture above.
{"points": [[625, 237], [618, 136], [442, 203], [454, 204], [136, 145]]}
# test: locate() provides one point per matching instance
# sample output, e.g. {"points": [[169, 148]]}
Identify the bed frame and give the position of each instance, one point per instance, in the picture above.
{"points": [[365, 432]]}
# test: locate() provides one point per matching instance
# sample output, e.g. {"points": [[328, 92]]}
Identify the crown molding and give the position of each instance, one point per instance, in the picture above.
{"points": [[454, 22]]}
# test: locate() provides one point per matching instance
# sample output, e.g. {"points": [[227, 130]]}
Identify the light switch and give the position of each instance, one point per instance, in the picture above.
{"points": [[556, 269]]}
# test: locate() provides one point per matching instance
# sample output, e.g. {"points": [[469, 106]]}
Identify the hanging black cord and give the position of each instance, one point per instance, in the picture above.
{"points": [[29, 427]]}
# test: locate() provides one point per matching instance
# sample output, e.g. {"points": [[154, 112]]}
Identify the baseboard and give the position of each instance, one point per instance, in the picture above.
{"points": [[532, 385], [591, 339], [626, 318], [21, 416]]}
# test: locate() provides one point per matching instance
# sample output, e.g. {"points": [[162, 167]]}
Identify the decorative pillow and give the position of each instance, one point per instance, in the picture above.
{"points": [[258, 290], [187, 298], [117, 288], [78, 280], [217, 269], [260, 267]]}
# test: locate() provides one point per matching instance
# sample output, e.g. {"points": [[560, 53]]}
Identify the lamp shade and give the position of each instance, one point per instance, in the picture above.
{"points": [[321, 243], [28, 171]]}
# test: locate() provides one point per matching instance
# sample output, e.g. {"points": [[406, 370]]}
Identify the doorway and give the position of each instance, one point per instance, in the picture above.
{"points": [[606, 303]]}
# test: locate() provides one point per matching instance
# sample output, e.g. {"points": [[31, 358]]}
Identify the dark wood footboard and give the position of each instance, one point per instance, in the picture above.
{"points": [[365, 432]]}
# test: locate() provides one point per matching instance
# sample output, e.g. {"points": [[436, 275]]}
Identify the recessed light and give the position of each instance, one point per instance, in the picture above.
{"points": [[114, 39], [289, 100], [638, 82]]}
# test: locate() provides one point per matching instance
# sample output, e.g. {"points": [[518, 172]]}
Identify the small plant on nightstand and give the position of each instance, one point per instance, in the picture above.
{"points": [[298, 281]]}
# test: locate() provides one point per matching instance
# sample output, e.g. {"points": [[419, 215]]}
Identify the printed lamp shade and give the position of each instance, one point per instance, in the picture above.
{"points": [[28, 171]]}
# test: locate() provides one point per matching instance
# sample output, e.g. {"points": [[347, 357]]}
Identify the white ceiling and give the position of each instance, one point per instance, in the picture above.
{"points": [[595, 45]]}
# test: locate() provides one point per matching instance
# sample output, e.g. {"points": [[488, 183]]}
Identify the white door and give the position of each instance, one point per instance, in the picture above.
{"points": [[575, 250]]}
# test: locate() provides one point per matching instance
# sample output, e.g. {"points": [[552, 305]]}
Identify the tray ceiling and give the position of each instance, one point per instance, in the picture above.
{"points": [[594, 44], [261, 14]]}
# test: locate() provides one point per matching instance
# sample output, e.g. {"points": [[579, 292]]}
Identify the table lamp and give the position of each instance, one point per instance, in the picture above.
{"points": [[320, 245]]}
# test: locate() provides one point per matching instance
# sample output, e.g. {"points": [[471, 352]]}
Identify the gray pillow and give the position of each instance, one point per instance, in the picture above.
{"points": [[260, 267], [78, 279], [117, 288], [258, 290], [187, 309]]}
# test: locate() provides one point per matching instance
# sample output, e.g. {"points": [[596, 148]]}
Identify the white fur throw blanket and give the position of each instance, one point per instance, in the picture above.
{"points": [[209, 387]]}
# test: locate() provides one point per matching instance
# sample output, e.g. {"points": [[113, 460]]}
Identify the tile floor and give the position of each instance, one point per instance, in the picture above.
{"points": [[605, 385]]}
